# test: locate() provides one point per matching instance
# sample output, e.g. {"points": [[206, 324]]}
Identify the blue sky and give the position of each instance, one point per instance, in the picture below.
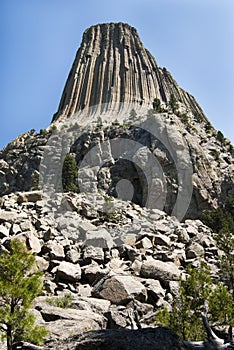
{"points": [[193, 39]]}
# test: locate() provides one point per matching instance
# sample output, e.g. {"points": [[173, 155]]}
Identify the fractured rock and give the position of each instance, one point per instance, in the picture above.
{"points": [[68, 272], [120, 289], [159, 270]]}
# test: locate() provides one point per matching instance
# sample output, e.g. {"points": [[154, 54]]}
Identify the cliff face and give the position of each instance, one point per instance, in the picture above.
{"points": [[112, 66]]}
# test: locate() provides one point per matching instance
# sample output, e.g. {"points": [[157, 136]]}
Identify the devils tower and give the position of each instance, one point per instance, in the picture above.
{"points": [[112, 66]]}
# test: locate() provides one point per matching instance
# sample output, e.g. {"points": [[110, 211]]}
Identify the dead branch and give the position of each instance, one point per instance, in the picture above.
{"points": [[213, 342]]}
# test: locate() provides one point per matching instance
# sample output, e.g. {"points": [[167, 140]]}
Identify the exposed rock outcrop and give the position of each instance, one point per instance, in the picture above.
{"points": [[112, 66]]}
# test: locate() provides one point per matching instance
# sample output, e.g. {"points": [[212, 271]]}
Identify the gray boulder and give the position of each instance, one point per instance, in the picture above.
{"points": [[120, 289], [125, 339], [159, 270], [68, 272]]}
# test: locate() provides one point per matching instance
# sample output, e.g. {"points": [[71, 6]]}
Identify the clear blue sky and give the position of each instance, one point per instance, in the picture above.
{"points": [[193, 39]]}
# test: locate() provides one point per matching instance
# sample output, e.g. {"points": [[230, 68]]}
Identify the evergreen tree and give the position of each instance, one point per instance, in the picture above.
{"points": [[185, 317], [70, 174], [173, 103], [157, 105], [18, 288], [221, 221]]}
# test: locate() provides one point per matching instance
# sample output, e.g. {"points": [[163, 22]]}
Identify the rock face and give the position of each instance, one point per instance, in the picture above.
{"points": [[112, 66]]}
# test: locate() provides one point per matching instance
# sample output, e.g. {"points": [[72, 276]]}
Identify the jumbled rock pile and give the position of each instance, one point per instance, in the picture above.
{"points": [[99, 264]]}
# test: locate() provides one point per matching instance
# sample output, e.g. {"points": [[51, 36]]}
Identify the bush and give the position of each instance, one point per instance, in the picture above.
{"points": [[173, 103], [198, 287], [215, 154], [63, 302], [157, 105], [221, 221], [18, 288], [70, 174], [220, 137], [43, 132]]}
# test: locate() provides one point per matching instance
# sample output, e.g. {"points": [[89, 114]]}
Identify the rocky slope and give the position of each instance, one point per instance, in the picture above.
{"points": [[103, 260]]}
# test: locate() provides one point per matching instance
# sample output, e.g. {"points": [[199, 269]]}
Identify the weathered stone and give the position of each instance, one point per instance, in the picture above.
{"points": [[162, 240], [93, 272], [145, 339], [4, 231], [33, 243], [99, 238], [85, 290], [41, 263], [154, 289], [93, 253], [144, 243], [63, 323], [85, 226], [49, 286], [159, 270], [120, 289], [72, 255], [55, 250], [7, 216], [15, 229], [194, 250], [182, 235], [68, 272], [31, 196], [97, 305]]}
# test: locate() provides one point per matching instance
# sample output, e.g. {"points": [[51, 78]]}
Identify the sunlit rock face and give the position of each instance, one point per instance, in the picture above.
{"points": [[112, 66]]}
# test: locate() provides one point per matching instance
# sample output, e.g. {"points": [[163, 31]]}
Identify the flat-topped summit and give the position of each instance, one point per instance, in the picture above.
{"points": [[112, 66]]}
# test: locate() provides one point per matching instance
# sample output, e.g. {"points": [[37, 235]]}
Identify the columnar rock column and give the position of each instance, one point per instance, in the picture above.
{"points": [[112, 66]]}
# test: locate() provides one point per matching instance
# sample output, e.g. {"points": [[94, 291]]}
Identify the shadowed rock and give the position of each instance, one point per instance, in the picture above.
{"points": [[146, 339]]}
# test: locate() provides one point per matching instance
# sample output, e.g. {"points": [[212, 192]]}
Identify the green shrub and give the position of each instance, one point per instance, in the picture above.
{"points": [[215, 154], [43, 132], [157, 105], [173, 103], [64, 302], [221, 221], [70, 174], [220, 137], [18, 288], [185, 317]]}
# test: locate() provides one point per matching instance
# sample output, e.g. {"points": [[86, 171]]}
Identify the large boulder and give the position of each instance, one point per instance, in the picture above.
{"points": [[125, 339], [31, 196], [68, 272], [159, 270], [120, 289]]}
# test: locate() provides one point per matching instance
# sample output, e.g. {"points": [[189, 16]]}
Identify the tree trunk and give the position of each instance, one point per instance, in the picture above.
{"points": [[9, 337], [213, 342]]}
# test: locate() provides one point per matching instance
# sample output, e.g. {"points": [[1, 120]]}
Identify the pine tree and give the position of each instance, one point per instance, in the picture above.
{"points": [[198, 287], [157, 105], [18, 288], [70, 174], [173, 103], [221, 221]]}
